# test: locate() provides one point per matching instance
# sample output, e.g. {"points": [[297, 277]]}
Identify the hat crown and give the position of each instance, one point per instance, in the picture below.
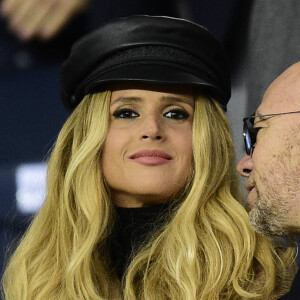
{"points": [[143, 31]]}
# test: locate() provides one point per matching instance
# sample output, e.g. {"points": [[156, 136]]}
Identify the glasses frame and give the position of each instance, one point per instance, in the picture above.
{"points": [[249, 132]]}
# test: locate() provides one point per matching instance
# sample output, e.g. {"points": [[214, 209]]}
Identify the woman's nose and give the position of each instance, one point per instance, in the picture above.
{"points": [[245, 166], [152, 128]]}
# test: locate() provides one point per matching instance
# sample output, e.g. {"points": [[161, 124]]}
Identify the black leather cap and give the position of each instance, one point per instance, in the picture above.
{"points": [[146, 49]]}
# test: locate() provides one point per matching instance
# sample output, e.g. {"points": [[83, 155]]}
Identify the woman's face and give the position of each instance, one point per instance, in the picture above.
{"points": [[147, 155]]}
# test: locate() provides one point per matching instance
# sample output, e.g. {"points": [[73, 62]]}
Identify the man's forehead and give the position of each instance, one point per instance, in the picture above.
{"points": [[277, 106], [282, 96]]}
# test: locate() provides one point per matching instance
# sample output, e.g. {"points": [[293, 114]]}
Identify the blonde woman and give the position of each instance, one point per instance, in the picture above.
{"points": [[142, 198]]}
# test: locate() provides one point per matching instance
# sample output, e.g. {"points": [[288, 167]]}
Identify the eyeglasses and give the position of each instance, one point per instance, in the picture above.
{"points": [[250, 133]]}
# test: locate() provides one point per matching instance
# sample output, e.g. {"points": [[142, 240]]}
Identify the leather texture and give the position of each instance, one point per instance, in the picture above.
{"points": [[167, 51]]}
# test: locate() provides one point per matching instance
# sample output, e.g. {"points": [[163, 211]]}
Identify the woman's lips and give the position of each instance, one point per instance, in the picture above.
{"points": [[151, 157]]}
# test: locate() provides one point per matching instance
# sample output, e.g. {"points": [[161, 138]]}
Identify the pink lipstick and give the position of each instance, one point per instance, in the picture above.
{"points": [[151, 157]]}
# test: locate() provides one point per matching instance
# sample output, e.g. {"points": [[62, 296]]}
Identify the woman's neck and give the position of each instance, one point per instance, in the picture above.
{"points": [[133, 228]]}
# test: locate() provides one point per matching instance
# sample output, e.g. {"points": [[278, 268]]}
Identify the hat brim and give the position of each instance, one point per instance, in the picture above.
{"points": [[152, 74]]}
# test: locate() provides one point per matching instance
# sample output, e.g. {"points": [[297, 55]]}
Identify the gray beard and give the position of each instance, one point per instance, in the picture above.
{"points": [[270, 216], [268, 220]]}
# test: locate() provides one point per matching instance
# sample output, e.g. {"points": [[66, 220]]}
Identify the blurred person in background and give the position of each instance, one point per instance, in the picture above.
{"points": [[272, 38]]}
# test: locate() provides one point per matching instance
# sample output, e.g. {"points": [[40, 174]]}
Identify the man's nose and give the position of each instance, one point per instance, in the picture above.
{"points": [[245, 166], [152, 128]]}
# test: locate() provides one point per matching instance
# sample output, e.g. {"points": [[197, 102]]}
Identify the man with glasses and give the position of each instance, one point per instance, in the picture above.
{"points": [[272, 163]]}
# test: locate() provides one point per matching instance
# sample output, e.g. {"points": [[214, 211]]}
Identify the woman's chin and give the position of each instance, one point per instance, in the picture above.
{"points": [[141, 197]]}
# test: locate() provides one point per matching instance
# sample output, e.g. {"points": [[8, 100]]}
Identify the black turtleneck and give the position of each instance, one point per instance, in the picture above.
{"points": [[132, 229]]}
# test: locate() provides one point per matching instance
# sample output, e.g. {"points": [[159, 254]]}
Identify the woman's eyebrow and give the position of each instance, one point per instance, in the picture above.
{"points": [[126, 100], [174, 99]]}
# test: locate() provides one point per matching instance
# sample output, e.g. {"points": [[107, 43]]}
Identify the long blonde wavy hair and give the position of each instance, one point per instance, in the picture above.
{"points": [[206, 250]]}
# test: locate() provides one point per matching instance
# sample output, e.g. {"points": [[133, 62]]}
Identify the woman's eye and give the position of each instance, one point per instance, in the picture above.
{"points": [[125, 113], [177, 114]]}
